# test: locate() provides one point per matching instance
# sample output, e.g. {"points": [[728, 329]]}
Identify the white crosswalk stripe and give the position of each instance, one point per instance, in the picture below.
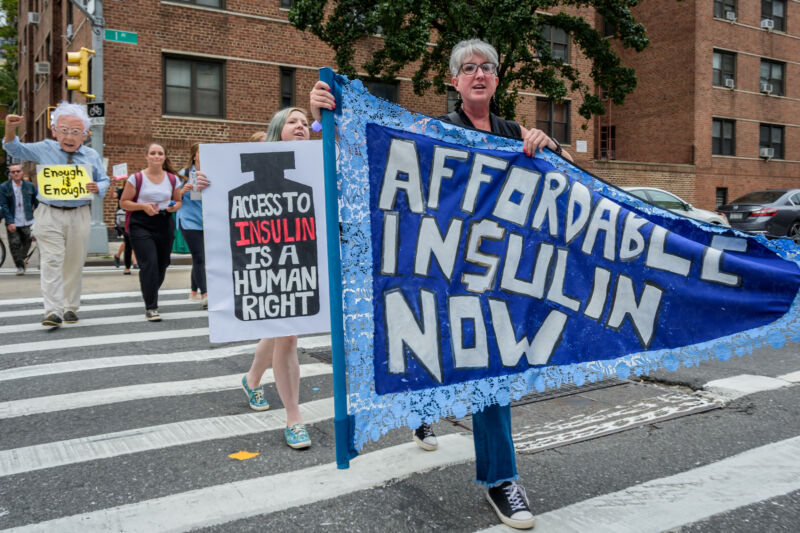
{"points": [[83, 386]]}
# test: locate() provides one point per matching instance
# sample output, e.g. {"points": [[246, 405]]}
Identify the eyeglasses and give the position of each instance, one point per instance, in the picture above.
{"points": [[73, 131], [15, 172], [471, 68]]}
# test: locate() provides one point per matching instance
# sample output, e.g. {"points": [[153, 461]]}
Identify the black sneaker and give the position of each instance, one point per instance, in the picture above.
{"points": [[70, 317], [52, 320], [511, 505], [425, 438], [152, 315]]}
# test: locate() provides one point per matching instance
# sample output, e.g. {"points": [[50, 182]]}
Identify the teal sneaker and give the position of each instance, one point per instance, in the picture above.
{"points": [[255, 396], [297, 437]]}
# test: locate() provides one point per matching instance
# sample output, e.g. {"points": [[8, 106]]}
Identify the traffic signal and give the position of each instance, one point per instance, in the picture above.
{"points": [[78, 71]]}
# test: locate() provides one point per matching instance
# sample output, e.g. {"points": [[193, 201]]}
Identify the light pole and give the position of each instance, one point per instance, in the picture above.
{"points": [[93, 9]]}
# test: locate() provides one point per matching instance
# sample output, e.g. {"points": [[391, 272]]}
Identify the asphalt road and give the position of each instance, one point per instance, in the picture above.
{"points": [[117, 424]]}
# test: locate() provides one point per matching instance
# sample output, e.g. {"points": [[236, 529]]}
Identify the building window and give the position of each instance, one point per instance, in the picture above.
{"points": [[724, 64], [382, 89], [553, 119], [558, 41], [287, 4], [771, 136], [723, 137], [287, 87], [722, 196], [452, 98], [722, 7], [193, 87], [207, 3], [608, 142], [772, 77], [775, 10]]}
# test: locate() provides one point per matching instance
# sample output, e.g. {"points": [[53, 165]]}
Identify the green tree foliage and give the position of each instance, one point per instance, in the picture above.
{"points": [[9, 53], [427, 30]]}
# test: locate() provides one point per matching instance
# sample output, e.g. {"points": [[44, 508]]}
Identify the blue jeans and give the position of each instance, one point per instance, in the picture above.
{"points": [[495, 459]]}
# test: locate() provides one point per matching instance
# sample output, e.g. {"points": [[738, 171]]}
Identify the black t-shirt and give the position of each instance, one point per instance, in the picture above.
{"points": [[506, 128]]}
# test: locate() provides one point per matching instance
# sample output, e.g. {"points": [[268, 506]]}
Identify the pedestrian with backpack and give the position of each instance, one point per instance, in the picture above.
{"points": [[150, 197]]}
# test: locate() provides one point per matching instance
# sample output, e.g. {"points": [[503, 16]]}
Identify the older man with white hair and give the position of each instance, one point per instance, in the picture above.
{"points": [[61, 227]]}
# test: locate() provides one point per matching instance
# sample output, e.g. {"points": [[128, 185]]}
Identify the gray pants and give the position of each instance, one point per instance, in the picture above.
{"points": [[19, 242]]}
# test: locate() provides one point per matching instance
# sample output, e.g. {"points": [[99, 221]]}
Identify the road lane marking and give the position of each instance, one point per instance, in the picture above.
{"points": [[794, 377], [97, 363], [234, 501], [729, 389], [95, 296], [105, 321], [91, 398], [310, 342], [663, 504], [162, 303], [65, 452], [101, 340]]}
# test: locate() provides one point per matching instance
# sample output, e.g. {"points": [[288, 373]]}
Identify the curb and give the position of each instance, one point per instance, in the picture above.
{"points": [[102, 260]]}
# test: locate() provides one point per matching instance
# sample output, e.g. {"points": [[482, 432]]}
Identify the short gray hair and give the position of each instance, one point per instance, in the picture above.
{"points": [[470, 47], [67, 109]]}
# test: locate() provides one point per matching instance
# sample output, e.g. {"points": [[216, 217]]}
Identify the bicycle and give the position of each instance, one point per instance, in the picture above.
{"points": [[31, 250]]}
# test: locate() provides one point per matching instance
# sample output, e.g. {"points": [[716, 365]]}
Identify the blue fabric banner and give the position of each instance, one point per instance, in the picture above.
{"points": [[473, 274]]}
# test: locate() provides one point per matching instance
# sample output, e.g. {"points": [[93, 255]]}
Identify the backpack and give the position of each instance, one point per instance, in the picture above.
{"points": [[139, 177]]}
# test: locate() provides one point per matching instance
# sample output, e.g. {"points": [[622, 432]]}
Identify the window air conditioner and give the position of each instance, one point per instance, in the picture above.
{"points": [[33, 17], [767, 24], [730, 15], [729, 83], [766, 87], [41, 67], [766, 153]]}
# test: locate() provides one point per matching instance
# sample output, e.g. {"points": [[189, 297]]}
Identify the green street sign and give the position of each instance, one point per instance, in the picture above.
{"points": [[120, 36]]}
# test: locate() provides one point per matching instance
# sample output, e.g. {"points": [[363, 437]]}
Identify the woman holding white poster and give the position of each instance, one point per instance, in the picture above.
{"points": [[280, 353]]}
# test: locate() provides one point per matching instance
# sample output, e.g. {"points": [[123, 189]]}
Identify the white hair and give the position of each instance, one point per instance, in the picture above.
{"points": [[67, 109], [468, 48]]}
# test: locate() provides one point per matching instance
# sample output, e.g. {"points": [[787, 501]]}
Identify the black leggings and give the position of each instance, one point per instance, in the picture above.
{"points": [[194, 240], [151, 237], [127, 254]]}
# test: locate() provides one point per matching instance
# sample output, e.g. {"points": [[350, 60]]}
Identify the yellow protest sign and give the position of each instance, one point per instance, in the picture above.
{"points": [[63, 182]]}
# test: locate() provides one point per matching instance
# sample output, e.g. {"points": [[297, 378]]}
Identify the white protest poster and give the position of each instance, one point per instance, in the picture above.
{"points": [[265, 239]]}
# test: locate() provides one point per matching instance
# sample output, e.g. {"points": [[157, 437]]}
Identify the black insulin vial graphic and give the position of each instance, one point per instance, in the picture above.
{"points": [[273, 241]]}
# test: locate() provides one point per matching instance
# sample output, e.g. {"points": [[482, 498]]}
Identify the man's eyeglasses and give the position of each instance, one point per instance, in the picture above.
{"points": [[471, 68], [15, 172], [73, 131]]}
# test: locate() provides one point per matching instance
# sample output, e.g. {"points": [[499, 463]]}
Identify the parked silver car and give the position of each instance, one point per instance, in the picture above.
{"points": [[667, 200], [775, 212]]}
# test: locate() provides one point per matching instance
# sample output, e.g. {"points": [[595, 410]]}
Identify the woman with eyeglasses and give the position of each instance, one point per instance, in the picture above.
{"points": [[473, 66]]}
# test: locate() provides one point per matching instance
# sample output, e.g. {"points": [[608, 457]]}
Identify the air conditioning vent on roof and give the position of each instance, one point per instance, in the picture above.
{"points": [[41, 67], [33, 17], [767, 24], [730, 15], [729, 83], [766, 153], [766, 87]]}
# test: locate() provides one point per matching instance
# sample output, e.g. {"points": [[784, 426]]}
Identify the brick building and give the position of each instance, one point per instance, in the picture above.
{"points": [[718, 88], [216, 71]]}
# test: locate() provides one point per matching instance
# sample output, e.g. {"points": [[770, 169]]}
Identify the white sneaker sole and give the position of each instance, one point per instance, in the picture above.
{"points": [[424, 445], [254, 407], [507, 520]]}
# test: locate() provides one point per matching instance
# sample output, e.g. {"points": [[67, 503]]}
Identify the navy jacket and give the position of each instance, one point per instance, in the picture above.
{"points": [[8, 202]]}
